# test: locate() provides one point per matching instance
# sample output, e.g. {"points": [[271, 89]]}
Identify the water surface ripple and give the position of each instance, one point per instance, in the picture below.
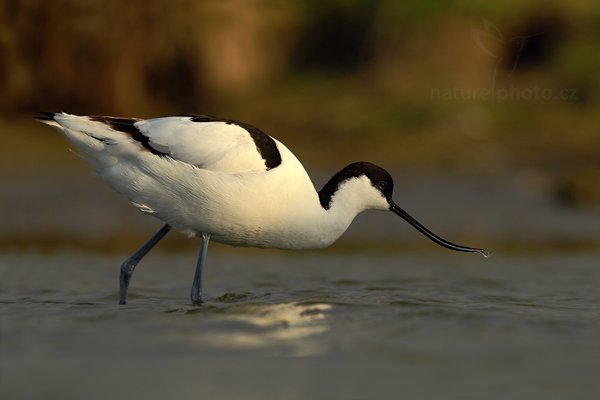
{"points": [[280, 325]]}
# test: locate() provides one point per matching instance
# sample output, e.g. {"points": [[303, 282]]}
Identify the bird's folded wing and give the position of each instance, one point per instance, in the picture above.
{"points": [[221, 146]]}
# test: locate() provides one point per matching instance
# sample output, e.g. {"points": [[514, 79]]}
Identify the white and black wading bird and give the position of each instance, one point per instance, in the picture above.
{"points": [[227, 181]]}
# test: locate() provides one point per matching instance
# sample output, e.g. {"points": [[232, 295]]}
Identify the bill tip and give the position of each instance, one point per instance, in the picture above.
{"points": [[484, 253]]}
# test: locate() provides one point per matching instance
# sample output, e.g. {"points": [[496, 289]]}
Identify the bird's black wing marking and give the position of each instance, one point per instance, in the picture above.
{"points": [[45, 116], [266, 146], [127, 125]]}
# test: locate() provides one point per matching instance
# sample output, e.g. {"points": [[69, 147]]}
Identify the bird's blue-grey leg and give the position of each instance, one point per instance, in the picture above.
{"points": [[129, 265], [196, 294]]}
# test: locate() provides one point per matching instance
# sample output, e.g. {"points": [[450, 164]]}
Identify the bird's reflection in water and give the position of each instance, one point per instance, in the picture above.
{"points": [[290, 328]]}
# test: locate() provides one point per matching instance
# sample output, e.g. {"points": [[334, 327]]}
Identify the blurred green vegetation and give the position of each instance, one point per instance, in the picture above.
{"points": [[465, 86]]}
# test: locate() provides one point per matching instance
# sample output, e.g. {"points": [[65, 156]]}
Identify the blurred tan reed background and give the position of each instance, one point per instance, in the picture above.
{"points": [[491, 91]]}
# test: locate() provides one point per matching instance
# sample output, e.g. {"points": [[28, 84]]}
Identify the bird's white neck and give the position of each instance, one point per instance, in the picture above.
{"points": [[327, 216]]}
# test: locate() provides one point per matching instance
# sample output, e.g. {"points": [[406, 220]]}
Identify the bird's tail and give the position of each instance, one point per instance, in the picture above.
{"points": [[97, 138], [99, 128], [47, 118]]}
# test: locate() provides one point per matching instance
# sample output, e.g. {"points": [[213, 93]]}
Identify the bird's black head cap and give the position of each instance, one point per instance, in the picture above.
{"points": [[379, 177]]}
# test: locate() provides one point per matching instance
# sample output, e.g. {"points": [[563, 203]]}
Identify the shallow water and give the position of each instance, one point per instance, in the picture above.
{"points": [[318, 325]]}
